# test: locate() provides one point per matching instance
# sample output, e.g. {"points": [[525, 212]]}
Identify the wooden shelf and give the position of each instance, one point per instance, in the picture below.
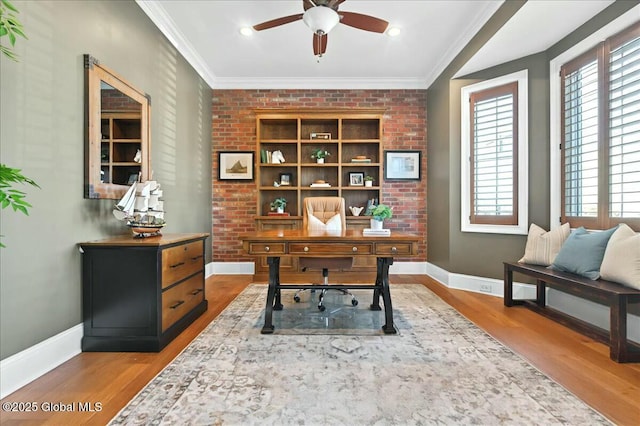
{"points": [[348, 133]]}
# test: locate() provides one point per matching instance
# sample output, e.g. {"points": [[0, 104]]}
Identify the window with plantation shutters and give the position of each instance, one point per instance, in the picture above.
{"points": [[600, 121], [494, 155]]}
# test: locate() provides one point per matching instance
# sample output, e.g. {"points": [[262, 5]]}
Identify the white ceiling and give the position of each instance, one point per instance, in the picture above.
{"points": [[206, 32]]}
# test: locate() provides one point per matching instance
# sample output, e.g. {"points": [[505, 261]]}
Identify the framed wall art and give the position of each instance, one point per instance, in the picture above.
{"points": [[402, 165], [235, 165]]}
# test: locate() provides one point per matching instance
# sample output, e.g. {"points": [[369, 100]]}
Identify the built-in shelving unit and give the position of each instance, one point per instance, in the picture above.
{"points": [[353, 139]]}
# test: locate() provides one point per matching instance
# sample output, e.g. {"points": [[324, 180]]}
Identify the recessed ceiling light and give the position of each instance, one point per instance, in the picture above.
{"points": [[246, 31], [393, 31]]}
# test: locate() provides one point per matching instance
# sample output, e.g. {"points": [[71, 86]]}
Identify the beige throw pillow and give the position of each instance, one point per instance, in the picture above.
{"points": [[621, 261], [543, 246]]}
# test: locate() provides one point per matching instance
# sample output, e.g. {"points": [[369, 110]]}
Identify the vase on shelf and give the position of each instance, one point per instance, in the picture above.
{"points": [[320, 160], [376, 224], [368, 183]]}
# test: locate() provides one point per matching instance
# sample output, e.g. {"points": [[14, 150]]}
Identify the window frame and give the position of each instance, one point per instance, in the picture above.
{"points": [[600, 53], [521, 181]]}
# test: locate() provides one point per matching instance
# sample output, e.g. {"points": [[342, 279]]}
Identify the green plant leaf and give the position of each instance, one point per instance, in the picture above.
{"points": [[9, 5]]}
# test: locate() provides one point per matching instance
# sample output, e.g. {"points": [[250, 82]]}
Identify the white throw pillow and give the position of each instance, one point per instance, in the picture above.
{"points": [[333, 224], [543, 246], [621, 261]]}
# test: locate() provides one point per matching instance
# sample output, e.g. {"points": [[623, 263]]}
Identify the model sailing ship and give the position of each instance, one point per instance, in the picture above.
{"points": [[142, 209]]}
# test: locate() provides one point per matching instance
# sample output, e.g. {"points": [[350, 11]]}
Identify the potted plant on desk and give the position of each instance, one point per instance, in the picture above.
{"points": [[279, 204], [380, 213]]}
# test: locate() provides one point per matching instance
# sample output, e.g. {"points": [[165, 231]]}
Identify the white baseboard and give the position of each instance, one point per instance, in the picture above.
{"points": [[248, 268], [24, 367], [491, 286]]}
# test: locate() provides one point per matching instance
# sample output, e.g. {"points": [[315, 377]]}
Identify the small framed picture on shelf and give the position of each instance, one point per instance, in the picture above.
{"points": [[402, 165], [235, 165], [320, 136], [285, 179], [356, 179]]}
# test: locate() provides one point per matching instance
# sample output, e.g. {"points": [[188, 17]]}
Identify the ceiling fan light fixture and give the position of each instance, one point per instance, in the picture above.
{"points": [[393, 31], [321, 19]]}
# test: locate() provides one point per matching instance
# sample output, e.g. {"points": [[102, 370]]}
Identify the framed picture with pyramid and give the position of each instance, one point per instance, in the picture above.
{"points": [[235, 165]]}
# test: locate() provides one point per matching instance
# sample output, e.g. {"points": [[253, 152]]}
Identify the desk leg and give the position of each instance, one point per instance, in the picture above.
{"points": [[274, 277], [383, 273], [375, 304]]}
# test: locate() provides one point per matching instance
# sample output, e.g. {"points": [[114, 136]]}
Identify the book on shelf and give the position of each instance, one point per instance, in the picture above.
{"points": [[376, 232], [361, 160], [320, 185], [278, 214]]}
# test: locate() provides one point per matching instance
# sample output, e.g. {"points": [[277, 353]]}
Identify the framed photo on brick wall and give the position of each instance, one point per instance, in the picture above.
{"points": [[402, 165], [235, 165]]}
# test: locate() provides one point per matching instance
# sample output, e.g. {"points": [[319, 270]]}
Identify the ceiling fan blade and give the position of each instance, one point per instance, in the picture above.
{"points": [[319, 44], [363, 22], [277, 22]]}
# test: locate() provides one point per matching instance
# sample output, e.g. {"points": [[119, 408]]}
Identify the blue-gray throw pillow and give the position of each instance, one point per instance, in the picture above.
{"points": [[582, 253]]}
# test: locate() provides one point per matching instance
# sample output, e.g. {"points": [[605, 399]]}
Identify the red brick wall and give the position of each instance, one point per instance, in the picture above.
{"points": [[234, 129]]}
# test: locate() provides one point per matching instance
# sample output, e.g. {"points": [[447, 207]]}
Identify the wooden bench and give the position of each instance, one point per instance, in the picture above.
{"points": [[616, 296]]}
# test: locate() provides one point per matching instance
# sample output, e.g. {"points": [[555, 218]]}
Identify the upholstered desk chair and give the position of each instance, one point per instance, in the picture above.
{"points": [[325, 214]]}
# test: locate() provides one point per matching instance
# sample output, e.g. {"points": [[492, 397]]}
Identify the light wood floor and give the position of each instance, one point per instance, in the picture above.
{"points": [[112, 379]]}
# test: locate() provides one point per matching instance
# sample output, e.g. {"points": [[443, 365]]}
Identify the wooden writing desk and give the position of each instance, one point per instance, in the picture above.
{"points": [[283, 243]]}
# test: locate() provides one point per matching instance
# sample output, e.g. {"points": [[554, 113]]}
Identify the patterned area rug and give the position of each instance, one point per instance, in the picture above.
{"points": [[441, 369]]}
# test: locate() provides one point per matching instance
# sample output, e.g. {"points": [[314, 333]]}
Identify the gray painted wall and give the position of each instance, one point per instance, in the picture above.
{"points": [[41, 132], [474, 253]]}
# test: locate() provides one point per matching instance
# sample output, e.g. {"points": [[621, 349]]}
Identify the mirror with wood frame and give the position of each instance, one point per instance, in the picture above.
{"points": [[117, 150]]}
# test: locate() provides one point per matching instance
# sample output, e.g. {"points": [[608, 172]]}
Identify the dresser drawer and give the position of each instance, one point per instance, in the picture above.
{"points": [[330, 249], [181, 261], [179, 300], [394, 249], [268, 249]]}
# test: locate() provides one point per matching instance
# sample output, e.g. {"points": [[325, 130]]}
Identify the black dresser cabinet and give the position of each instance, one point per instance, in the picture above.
{"points": [[138, 294]]}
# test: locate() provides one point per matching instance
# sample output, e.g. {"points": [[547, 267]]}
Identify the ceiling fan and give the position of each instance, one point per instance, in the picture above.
{"points": [[321, 16]]}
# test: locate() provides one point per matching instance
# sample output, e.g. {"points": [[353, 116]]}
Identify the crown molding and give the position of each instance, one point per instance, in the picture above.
{"points": [[166, 25], [324, 83]]}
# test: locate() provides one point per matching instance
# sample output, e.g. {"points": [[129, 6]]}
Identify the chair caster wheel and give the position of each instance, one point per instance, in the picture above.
{"points": [[322, 308], [354, 302], [296, 299]]}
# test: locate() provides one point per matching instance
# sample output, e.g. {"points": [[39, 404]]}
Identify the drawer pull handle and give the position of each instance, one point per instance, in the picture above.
{"points": [[194, 292], [355, 249], [267, 248], [175, 305], [394, 249], [306, 249], [196, 258]]}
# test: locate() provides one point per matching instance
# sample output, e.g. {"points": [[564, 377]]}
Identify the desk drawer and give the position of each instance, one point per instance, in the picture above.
{"points": [[331, 249], [269, 249], [394, 249], [179, 300], [181, 261]]}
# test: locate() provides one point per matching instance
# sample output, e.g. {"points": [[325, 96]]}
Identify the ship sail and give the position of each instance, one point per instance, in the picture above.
{"points": [[125, 206]]}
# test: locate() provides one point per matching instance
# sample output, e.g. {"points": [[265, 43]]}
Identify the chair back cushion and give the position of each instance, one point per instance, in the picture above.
{"points": [[324, 213]]}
